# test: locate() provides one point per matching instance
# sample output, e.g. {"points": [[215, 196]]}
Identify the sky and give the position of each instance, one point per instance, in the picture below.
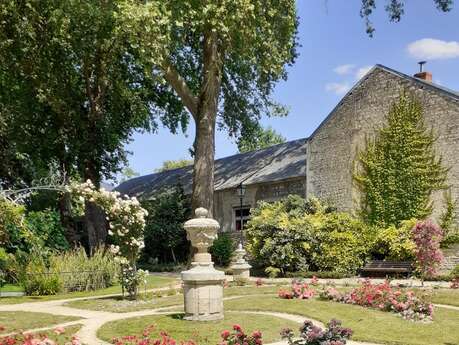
{"points": [[335, 52]]}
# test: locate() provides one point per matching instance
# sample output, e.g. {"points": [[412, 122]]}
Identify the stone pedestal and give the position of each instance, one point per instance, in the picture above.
{"points": [[203, 284], [240, 268]]}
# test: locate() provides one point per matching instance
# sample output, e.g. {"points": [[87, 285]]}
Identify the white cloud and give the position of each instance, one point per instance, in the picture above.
{"points": [[343, 69], [337, 88], [431, 49], [362, 71]]}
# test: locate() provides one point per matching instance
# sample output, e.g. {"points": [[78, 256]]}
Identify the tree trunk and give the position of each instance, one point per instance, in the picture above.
{"points": [[94, 217], [203, 172], [65, 211]]}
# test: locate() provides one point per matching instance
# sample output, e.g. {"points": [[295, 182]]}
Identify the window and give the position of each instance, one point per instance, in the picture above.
{"points": [[244, 218]]}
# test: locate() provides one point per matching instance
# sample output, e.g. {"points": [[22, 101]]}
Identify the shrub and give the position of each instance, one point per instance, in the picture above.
{"points": [[341, 243], [427, 237], [455, 272], [296, 235], [395, 243], [222, 249], [78, 272], [384, 297], [165, 237], [334, 334], [47, 226], [11, 225], [279, 237], [38, 280]]}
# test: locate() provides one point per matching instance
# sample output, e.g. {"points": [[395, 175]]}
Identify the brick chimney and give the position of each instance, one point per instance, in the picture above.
{"points": [[427, 76]]}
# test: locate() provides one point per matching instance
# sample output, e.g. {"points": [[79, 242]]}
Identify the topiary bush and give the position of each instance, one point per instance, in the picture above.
{"points": [[222, 249]]}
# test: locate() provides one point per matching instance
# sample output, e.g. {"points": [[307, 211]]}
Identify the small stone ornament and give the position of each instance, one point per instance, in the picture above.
{"points": [[240, 267], [203, 284]]}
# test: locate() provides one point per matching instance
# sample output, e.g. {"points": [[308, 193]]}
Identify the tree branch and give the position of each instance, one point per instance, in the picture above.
{"points": [[180, 86]]}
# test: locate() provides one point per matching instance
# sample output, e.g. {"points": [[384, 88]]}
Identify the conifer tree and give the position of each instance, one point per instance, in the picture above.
{"points": [[399, 169]]}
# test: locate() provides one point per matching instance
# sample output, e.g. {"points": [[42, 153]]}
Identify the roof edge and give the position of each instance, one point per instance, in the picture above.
{"points": [[448, 92]]}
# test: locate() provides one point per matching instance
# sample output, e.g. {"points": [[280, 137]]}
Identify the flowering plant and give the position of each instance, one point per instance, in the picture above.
{"points": [[259, 282], [427, 237], [298, 290], [238, 337], [36, 339], [145, 339], [383, 297], [126, 221], [334, 334], [314, 281]]}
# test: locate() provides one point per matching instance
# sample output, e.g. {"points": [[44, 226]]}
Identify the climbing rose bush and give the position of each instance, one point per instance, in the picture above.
{"points": [[334, 334], [299, 290], [238, 337], [126, 219], [383, 297], [427, 237]]}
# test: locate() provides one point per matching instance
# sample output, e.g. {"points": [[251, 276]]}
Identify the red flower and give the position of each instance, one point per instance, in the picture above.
{"points": [[237, 328], [225, 334]]}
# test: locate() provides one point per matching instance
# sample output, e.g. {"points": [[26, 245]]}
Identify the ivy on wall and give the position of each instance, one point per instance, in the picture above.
{"points": [[399, 168]]}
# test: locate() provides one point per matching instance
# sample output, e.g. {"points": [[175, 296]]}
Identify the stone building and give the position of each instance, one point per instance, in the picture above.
{"points": [[322, 164]]}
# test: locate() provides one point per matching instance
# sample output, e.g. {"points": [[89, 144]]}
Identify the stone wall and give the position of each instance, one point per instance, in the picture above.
{"points": [[332, 148], [226, 201]]}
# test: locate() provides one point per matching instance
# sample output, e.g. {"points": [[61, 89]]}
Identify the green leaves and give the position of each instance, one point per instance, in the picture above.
{"points": [[399, 169]]}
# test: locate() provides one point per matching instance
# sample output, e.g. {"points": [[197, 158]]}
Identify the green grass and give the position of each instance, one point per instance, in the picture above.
{"points": [[368, 324], [202, 332], [11, 288], [153, 282], [446, 296], [152, 301], [14, 321]]}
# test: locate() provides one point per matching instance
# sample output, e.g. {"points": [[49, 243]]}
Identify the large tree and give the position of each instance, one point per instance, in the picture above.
{"points": [[221, 59], [73, 89], [399, 169], [261, 138]]}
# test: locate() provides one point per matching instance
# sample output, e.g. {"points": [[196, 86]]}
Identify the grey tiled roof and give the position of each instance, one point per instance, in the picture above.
{"points": [[275, 163]]}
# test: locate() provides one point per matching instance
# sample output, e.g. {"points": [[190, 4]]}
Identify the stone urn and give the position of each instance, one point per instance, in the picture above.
{"points": [[202, 284], [240, 267]]}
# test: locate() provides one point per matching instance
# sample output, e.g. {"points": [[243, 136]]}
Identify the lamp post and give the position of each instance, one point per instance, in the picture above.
{"points": [[240, 268], [241, 192]]}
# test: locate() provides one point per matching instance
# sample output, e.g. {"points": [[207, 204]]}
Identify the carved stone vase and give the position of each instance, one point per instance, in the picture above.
{"points": [[202, 284]]}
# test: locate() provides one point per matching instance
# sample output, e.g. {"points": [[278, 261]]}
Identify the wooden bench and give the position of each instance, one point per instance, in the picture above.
{"points": [[382, 268]]}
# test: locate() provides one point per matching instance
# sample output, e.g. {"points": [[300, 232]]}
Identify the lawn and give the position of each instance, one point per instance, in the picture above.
{"points": [[14, 321], [446, 296], [203, 333], [153, 282], [11, 288], [368, 324], [152, 301]]}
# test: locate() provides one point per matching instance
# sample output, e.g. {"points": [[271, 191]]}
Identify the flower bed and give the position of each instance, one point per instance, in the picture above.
{"points": [[383, 297], [298, 290], [239, 337], [334, 334], [36, 339]]}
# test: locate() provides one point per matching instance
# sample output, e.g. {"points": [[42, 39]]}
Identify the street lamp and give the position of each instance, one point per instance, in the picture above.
{"points": [[241, 192]]}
